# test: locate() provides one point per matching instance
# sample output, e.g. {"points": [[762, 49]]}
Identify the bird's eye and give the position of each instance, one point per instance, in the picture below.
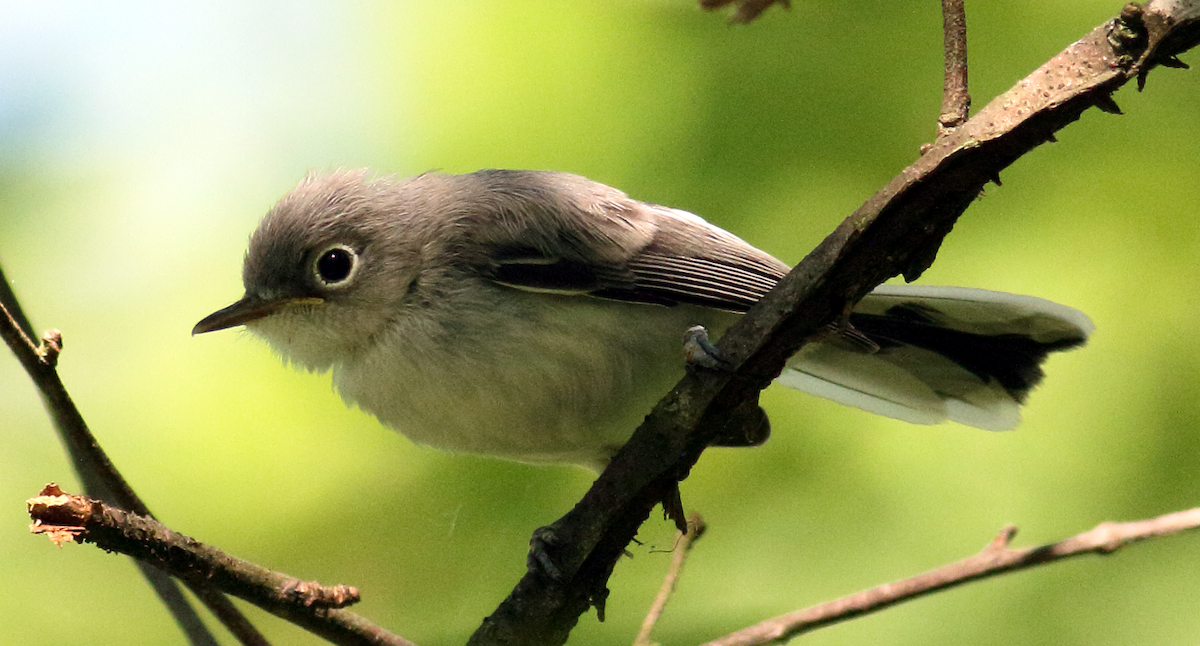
{"points": [[336, 265]]}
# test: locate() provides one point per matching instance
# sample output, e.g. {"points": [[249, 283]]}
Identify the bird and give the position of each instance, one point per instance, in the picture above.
{"points": [[537, 316]]}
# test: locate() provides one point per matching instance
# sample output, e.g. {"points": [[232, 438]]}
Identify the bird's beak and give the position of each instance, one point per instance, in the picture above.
{"points": [[249, 308]]}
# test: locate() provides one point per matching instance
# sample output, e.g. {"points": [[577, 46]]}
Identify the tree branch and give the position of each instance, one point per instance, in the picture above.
{"points": [[100, 477], [307, 604], [956, 100], [8, 301], [995, 559], [746, 11], [684, 542], [897, 231]]}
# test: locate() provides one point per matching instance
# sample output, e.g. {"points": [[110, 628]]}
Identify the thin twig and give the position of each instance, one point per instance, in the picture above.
{"points": [[956, 100], [8, 300], [101, 479], [995, 559], [746, 11], [684, 542], [306, 603]]}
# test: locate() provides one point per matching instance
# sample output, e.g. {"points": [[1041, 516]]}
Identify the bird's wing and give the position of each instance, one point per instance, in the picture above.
{"points": [[600, 243]]}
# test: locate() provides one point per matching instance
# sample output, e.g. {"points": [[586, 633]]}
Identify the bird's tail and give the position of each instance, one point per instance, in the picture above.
{"points": [[927, 354]]}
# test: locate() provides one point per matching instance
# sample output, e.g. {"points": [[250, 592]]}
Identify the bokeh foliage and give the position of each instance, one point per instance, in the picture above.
{"points": [[139, 144]]}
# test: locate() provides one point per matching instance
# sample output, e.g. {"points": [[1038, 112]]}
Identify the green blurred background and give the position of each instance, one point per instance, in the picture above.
{"points": [[140, 143]]}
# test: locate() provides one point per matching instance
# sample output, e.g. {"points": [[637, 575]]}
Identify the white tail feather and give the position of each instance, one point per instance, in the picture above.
{"points": [[918, 385]]}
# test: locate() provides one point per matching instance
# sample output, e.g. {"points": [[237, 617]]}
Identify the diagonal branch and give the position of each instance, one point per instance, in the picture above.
{"points": [[746, 11], [995, 559], [8, 300], [100, 477], [683, 547], [308, 604], [897, 231]]}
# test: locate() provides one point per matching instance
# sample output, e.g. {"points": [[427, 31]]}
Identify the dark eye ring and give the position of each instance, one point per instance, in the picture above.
{"points": [[335, 266]]}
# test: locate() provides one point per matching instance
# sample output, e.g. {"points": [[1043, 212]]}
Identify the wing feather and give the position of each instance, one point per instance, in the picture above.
{"points": [[681, 260]]}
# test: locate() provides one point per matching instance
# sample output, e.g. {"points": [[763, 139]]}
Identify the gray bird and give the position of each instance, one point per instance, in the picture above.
{"points": [[537, 316]]}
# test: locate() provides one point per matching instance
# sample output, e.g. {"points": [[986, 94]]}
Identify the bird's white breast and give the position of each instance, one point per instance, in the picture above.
{"points": [[537, 378]]}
